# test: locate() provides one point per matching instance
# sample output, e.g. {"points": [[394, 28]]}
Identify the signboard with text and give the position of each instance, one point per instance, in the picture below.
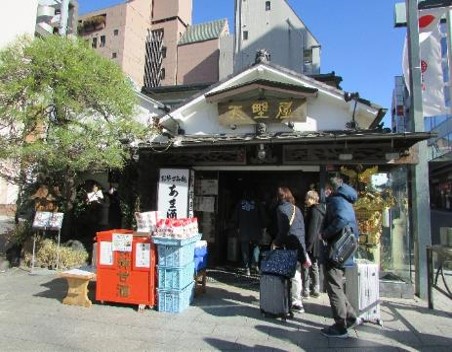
{"points": [[262, 110], [173, 193]]}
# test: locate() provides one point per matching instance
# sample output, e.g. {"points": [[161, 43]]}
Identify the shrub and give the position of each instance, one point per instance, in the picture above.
{"points": [[47, 254]]}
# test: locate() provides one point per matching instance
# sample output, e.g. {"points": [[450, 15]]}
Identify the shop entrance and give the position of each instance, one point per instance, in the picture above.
{"points": [[218, 226]]}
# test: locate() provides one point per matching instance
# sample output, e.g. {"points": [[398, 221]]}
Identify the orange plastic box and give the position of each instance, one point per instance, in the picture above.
{"points": [[125, 268]]}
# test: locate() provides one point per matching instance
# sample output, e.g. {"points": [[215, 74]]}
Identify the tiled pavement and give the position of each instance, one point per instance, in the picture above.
{"points": [[226, 317]]}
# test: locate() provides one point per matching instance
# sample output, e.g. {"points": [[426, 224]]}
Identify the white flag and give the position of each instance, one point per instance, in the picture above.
{"points": [[430, 55]]}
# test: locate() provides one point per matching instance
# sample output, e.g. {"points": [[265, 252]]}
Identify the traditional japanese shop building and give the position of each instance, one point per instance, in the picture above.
{"points": [[268, 126]]}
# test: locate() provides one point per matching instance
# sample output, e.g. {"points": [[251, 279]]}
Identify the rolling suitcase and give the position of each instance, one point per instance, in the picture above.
{"points": [[275, 296], [362, 290]]}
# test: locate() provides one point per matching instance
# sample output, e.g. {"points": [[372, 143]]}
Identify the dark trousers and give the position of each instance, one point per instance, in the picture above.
{"points": [[250, 253], [341, 307]]}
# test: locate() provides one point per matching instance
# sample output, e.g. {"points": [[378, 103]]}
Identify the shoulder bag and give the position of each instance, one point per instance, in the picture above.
{"points": [[280, 261], [344, 247]]}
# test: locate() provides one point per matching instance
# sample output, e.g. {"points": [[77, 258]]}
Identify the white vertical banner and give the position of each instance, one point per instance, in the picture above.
{"points": [[433, 99], [173, 193]]}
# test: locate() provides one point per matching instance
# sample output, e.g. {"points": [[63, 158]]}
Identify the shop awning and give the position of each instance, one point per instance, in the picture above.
{"points": [[289, 148]]}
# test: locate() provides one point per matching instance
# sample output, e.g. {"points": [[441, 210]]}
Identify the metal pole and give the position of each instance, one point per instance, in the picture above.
{"points": [[33, 256], [419, 176], [430, 277], [64, 13], [58, 249]]}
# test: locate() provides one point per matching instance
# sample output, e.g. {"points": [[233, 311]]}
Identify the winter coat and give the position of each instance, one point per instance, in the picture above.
{"points": [[249, 221], [340, 212], [290, 236], [313, 222]]}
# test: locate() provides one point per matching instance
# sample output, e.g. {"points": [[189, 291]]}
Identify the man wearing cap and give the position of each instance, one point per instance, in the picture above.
{"points": [[339, 213]]}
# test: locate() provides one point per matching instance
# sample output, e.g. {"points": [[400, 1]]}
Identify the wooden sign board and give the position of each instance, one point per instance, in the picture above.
{"points": [[262, 110]]}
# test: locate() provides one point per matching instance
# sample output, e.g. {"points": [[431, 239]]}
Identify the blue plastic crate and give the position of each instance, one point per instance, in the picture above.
{"points": [[176, 278], [200, 251], [175, 301], [200, 263], [175, 256], [176, 242]]}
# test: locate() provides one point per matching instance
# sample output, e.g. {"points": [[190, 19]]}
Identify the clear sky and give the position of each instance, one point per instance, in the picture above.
{"points": [[358, 39]]}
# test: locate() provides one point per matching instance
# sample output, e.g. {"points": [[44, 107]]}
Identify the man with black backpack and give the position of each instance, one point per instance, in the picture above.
{"points": [[339, 214]]}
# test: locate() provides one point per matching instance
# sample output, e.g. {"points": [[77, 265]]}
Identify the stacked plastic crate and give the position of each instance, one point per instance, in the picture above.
{"points": [[176, 266]]}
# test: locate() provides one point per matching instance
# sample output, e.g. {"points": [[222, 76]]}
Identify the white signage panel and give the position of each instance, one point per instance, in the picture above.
{"points": [[173, 193]]}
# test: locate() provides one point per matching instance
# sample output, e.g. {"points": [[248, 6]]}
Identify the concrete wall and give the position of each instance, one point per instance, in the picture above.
{"points": [[138, 14], [115, 21], [226, 64], [17, 17], [279, 30], [164, 9], [12, 26], [172, 32], [198, 62]]}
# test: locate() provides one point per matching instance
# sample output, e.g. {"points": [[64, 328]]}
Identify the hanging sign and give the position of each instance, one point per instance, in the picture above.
{"points": [[48, 221], [173, 193]]}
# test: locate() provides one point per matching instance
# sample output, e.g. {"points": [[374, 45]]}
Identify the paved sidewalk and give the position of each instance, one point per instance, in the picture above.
{"points": [[227, 317]]}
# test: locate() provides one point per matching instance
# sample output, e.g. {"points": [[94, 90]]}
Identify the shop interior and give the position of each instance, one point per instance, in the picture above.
{"points": [[220, 191]]}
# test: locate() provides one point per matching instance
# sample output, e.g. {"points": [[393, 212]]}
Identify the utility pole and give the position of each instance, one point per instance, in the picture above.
{"points": [[420, 194]]}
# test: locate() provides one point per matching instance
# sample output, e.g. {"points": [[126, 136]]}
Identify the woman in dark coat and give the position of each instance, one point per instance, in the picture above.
{"points": [[313, 222], [291, 235]]}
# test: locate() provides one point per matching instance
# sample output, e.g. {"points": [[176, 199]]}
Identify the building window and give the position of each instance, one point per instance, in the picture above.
{"points": [[116, 32], [102, 41], [163, 51], [268, 6], [114, 55], [162, 73], [245, 35], [94, 43]]}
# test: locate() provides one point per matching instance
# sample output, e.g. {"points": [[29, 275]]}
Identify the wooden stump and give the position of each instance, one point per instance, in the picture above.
{"points": [[77, 293]]}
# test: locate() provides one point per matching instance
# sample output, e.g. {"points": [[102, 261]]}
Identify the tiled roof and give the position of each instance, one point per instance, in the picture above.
{"points": [[203, 31]]}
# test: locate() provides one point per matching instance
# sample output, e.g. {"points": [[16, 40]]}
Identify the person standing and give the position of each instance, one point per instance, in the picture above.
{"points": [[315, 213], [249, 228], [339, 213], [291, 235]]}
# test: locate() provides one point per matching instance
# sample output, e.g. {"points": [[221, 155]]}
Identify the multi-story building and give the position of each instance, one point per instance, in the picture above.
{"points": [[119, 33], [156, 44], [275, 27], [400, 121], [37, 17]]}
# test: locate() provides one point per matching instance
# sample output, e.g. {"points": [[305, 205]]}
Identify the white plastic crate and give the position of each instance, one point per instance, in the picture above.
{"points": [[176, 277], [175, 301]]}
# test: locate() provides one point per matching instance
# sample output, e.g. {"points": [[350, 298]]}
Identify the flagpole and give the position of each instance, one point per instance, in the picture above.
{"points": [[420, 193]]}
